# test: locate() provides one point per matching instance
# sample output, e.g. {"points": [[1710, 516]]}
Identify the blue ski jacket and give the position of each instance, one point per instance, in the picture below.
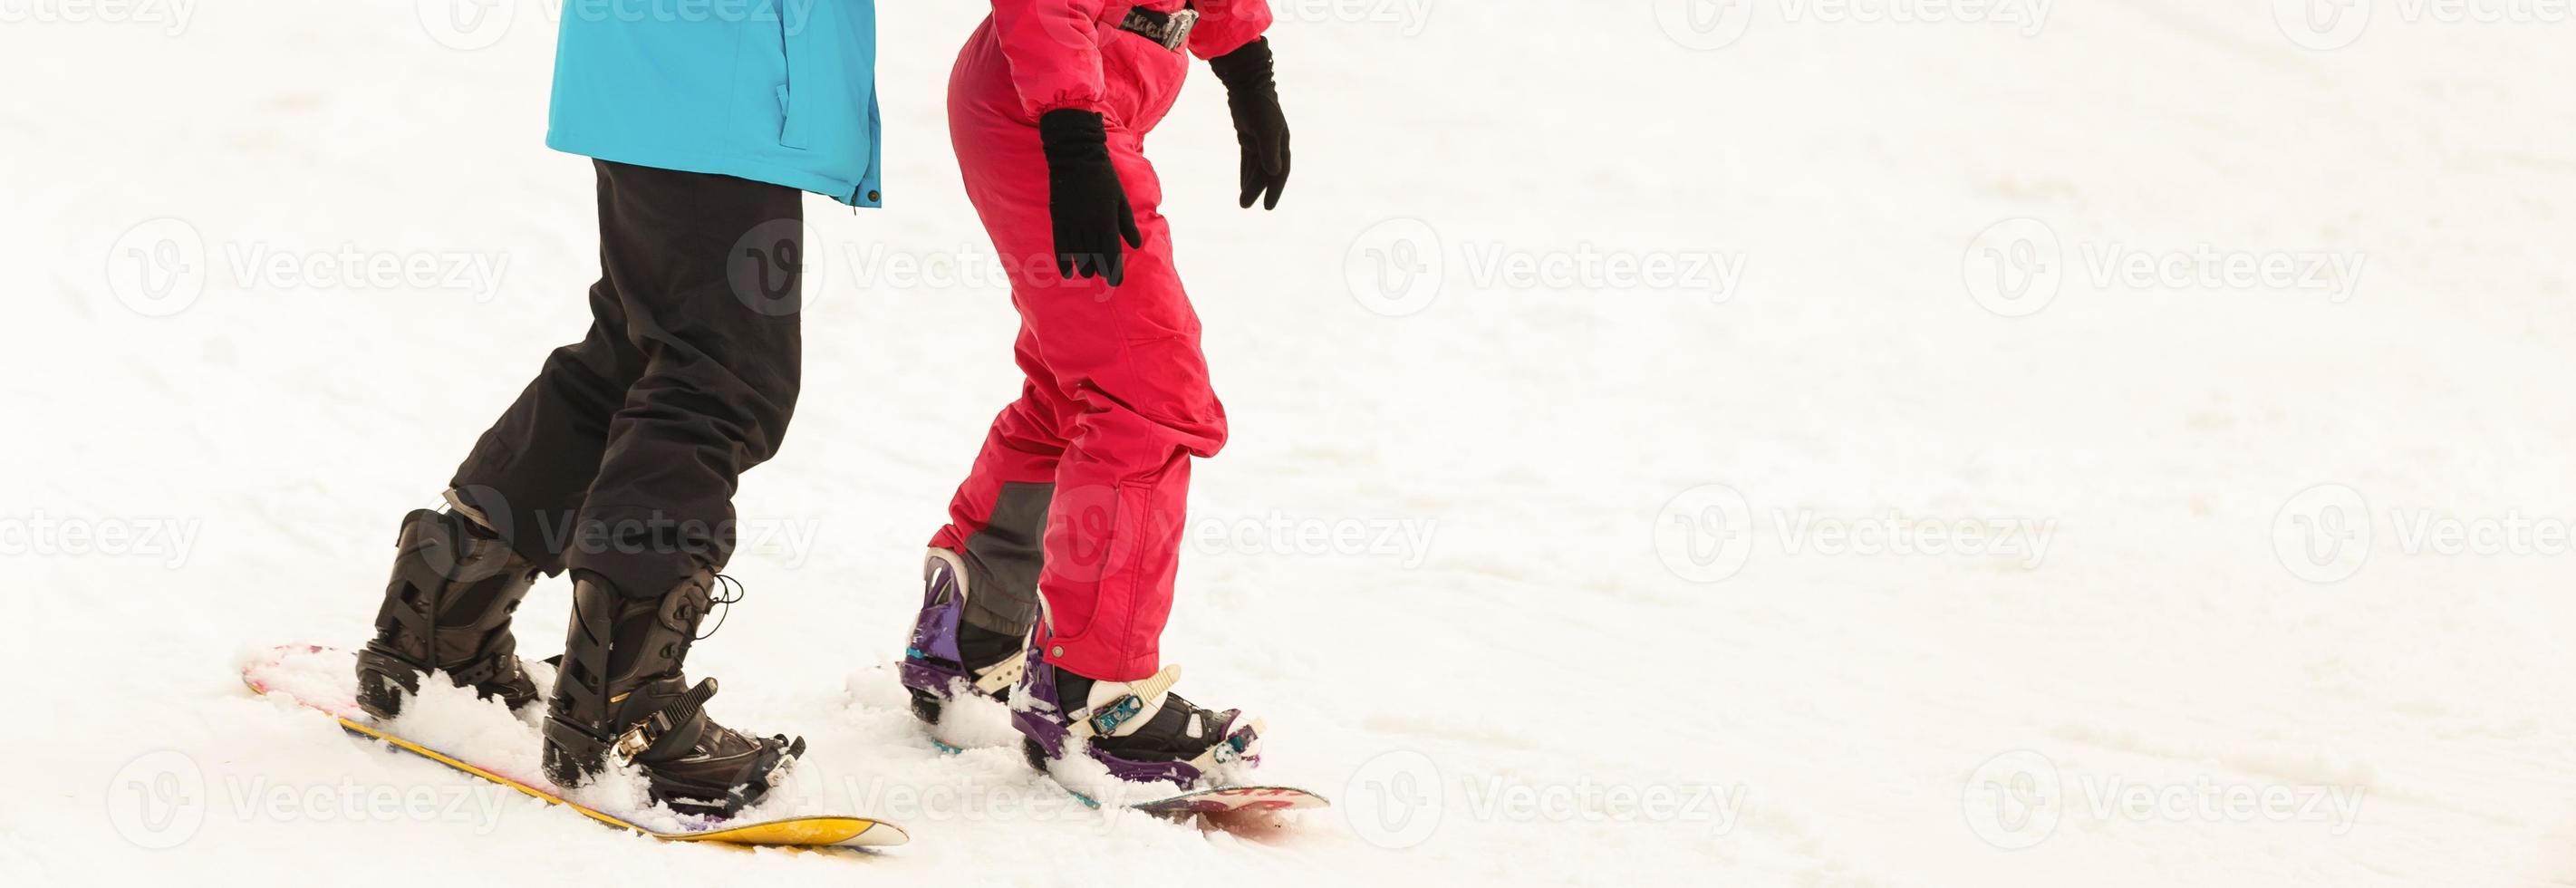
{"points": [[778, 91]]}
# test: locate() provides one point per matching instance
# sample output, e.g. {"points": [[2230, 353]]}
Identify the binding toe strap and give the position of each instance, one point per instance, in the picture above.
{"points": [[671, 730], [1107, 718]]}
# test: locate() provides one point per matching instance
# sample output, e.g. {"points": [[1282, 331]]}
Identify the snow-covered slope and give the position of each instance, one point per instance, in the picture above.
{"points": [[1594, 400]]}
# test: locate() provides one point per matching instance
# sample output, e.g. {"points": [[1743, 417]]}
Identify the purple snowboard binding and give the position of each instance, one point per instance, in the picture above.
{"points": [[934, 672], [1139, 730]]}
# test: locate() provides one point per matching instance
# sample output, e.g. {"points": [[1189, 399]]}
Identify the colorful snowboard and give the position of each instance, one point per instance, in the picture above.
{"points": [[268, 677], [1232, 800]]}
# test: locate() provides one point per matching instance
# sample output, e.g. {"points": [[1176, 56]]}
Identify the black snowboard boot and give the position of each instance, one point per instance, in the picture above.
{"points": [[1177, 729], [447, 608], [621, 699]]}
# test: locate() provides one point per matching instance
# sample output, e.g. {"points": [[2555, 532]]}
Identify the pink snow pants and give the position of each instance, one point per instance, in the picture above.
{"points": [[1117, 399]]}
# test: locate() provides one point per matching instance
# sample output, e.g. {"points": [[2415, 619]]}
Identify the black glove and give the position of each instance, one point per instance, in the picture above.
{"points": [[1259, 125], [1089, 206]]}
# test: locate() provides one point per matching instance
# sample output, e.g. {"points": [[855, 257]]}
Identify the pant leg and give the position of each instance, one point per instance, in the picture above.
{"points": [[527, 475], [705, 268], [1125, 361], [997, 520]]}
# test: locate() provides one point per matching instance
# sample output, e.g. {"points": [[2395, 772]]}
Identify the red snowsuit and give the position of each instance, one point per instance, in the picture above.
{"points": [[1117, 397]]}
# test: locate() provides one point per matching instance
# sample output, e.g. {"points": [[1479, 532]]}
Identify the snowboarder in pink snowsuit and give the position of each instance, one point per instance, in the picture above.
{"points": [[1078, 495]]}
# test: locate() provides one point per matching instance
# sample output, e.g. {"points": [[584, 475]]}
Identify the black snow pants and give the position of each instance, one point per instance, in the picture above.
{"points": [[622, 458]]}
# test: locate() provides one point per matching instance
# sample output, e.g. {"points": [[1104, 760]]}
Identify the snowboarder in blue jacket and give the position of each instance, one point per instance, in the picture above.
{"points": [[619, 463]]}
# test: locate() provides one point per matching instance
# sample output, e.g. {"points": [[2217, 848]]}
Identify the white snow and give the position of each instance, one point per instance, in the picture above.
{"points": [[1466, 559]]}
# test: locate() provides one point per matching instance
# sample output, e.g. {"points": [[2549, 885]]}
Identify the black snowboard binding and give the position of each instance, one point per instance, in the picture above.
{"points": [[621, 699], [447, 608]]}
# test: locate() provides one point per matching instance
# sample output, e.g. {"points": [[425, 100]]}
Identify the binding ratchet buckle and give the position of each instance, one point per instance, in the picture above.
{"points": [[1171, 29], [647, 734]]}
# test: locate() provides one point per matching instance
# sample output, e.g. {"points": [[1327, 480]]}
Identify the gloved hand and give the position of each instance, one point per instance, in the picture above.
{"points": [[1259, 125], [1089, 205]]}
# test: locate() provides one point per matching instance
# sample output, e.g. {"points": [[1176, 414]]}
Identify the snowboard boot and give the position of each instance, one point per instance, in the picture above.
{"points": [[447, 609], [1142, 731], [621, 699], [950, 657]]}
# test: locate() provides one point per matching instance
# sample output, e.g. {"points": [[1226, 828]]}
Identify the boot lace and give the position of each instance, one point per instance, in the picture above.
{"points": [[728, 590]]}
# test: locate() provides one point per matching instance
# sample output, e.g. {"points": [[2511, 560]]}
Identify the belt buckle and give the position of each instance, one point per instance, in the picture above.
{"points": [[1171, 29], [1178, 33]]}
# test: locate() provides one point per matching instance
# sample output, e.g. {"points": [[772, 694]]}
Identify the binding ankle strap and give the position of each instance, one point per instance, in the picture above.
{"points": [[1001, 676]]}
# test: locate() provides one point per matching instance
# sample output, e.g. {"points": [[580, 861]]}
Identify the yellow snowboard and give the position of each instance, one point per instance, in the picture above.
{"points": [[264, 676]]}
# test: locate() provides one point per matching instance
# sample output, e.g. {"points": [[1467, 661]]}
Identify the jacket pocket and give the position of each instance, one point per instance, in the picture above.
{"points": [[1142, 79], [795, 46]]}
